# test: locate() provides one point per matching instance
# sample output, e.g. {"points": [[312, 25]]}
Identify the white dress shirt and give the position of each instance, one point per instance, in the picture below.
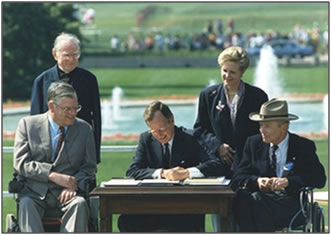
{"points": [[55, 134], [281, 155], [193, 171]]}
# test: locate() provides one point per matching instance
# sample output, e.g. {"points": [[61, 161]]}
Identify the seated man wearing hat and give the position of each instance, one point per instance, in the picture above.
{"points": [[276, 164]]}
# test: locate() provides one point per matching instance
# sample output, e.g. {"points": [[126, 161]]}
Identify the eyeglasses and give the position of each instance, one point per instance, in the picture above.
{"points": [[67, 56], [159, 131], [70, 109]]}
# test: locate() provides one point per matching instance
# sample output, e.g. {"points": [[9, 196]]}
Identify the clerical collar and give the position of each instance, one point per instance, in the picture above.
{"points": [[64, 76], [61, 73]]}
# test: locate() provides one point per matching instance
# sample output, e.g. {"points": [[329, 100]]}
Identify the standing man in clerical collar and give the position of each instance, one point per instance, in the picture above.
{"points": [[66, 53]]}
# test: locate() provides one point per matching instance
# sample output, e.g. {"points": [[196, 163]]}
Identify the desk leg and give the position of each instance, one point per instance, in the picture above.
{"points": [[225, 209], [105, 216]]}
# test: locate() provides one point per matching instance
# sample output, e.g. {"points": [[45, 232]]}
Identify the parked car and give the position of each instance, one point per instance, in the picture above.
{"points": [[284, 48]]}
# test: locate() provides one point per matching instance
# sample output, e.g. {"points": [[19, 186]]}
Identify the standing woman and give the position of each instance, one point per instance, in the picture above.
{"points": [[223, 125]]}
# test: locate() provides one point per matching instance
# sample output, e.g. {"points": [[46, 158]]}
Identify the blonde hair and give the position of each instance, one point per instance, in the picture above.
{"points": [[235, 54]]}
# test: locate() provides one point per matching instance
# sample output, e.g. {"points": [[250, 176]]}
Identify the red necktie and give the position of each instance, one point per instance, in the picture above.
{"points": [[60, 141]]}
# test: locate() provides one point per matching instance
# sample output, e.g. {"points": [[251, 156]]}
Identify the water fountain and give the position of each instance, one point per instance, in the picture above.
{"points": [[107, 114], [267, 78], [326, 111], [117, 92], [111, 110], [267, 74], [313, 115]]}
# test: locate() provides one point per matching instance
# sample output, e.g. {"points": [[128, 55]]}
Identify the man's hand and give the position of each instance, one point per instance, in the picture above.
{"points": [[225, 153], [63, 180], [264, 184], [66, 195], [278, 184], [174, 174], [272, 184]]}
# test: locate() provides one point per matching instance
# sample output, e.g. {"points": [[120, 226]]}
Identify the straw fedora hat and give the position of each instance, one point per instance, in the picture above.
{"points": [[274, 109]]}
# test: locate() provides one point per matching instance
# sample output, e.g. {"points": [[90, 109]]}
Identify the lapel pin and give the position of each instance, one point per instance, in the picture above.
{"points": [[220, 106]]}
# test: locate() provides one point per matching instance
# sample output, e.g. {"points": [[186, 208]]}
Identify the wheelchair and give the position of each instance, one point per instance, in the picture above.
{"points": [[52, 219], [312, 212]]}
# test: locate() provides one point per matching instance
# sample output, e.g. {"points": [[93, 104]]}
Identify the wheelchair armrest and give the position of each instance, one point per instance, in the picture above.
{"points": [[89, 185], [16, 184], [306, 200], [307, 188]]}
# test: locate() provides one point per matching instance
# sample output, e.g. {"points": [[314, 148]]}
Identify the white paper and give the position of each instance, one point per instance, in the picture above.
{"points": [[120, 182], [199, 181], [158, 181], [208, 181]]}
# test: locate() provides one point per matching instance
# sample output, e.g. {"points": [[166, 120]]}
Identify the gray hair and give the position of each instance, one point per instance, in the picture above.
{"points": [[58, 90], [155, 106], [235, 54], [67, 38]]}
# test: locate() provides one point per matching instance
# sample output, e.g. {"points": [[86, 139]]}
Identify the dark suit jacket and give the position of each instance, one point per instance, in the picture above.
{"points": [[307, 171], [186, 152], [214, 127], [86, 86]]}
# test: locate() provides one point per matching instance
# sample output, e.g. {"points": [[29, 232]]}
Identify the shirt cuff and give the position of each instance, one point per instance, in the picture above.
{"points": [[156, 174], [194, 173]]}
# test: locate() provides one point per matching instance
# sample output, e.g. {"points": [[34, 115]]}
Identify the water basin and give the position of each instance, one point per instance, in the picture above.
{"points": [[312, 118]]}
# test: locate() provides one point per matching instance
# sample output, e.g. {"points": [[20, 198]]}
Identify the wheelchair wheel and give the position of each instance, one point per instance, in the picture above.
{"points": [[12, 224], [318, 224]]}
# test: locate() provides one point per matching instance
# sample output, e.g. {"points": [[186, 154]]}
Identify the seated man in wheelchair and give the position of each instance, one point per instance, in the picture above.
{"points": [[55, 154], [276, 164]]}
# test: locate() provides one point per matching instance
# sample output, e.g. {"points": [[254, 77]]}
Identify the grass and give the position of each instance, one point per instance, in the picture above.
{"points": [[115, 165], [154, 82], [188, 18], [119, 18]]}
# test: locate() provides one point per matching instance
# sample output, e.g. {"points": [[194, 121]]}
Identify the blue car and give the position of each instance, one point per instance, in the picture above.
{"points": [[284, 48]]}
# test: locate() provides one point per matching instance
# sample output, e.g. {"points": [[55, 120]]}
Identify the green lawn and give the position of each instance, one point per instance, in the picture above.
{"points": [[119, 18], [191, 17], [115, 165], [188, 18], [155, 82]]}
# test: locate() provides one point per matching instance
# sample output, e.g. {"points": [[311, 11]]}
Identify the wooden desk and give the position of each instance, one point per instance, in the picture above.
{"points": [[164, 200]]}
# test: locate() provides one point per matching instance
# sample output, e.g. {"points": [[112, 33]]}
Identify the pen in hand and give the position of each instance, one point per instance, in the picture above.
{"points": [[182, 163]]}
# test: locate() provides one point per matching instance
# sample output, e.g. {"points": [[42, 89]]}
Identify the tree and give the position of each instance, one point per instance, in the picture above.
{"points": [[29, 30]]}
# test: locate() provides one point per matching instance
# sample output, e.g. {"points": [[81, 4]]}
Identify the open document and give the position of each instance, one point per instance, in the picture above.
{"points": [[120, 182], [159, 182], [163, 182], [144, 182]]}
